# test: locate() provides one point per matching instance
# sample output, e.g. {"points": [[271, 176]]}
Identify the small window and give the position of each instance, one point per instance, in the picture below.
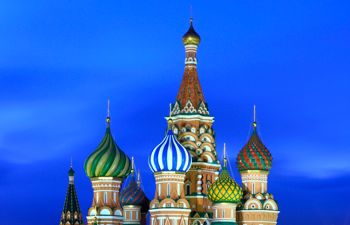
{"points": [[208, 184], [168, 189], [105, 197], [188, 189]]}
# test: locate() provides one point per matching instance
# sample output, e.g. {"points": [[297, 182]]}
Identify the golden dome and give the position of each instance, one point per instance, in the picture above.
{"points": [[191, 37]]}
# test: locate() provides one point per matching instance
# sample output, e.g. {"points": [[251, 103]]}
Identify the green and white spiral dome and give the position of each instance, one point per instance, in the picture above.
{"points": [[108, 160]]}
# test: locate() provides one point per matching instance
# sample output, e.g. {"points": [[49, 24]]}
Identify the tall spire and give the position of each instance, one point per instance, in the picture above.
{"points": [[190, 98], [71, 213]]}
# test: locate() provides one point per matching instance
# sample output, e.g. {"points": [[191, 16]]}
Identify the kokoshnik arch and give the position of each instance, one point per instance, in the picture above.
{"points": [[190, 190]]}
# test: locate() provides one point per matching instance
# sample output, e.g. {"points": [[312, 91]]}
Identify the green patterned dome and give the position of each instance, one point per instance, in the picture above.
{"points": [[225, 189], [108, 160]]}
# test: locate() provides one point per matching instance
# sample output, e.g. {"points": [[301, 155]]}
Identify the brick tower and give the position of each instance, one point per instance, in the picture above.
{"points": [[193, 128]]}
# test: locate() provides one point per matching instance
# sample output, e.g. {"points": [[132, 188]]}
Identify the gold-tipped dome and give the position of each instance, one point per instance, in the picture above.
{"points": [[191, 37], [225, 189]]}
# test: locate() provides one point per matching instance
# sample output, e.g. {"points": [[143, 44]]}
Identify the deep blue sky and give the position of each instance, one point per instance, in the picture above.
{"points": [[61, 60]]}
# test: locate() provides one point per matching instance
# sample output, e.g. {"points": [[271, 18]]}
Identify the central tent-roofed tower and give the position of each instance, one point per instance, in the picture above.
{"points": [[192, 125]]}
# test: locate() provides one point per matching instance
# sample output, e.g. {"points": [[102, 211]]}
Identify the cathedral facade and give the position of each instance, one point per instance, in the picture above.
{"points": [[192, 186]]}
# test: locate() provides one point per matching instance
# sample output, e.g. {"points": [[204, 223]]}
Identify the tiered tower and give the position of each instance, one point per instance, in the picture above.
{"points": [[71, 213], [106, 167], [134, 201], [225, 193], [169, 162], [193, 128], [254, 162]]}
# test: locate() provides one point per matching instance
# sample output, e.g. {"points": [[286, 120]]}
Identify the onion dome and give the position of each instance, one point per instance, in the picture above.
{"points": [[132, 194], [225, 189], [71, 172], [254, 155], [108, 160], [170, 155], [191, 37]]}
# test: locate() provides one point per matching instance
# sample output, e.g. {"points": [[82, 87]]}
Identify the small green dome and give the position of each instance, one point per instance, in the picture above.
{"points": [[225, 189], [71, 172], [108, 160]]}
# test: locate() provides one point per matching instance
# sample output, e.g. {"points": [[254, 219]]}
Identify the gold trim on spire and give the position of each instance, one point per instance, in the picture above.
{"points": [[108, 119], [254, 117]]}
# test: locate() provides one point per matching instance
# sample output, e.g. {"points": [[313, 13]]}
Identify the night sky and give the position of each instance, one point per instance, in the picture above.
{"points": [[61, 60]]}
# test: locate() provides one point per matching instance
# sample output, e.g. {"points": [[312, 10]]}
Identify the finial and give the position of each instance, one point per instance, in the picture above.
{"points": [[170, 124], [108, 119], [254, 117], [225, 159], [191, 14], [138, 178], [169, 109], [71, 172], [132, 165]]}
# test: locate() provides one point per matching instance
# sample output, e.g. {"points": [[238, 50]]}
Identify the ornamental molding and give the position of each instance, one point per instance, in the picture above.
{"points": [[189, 108]]}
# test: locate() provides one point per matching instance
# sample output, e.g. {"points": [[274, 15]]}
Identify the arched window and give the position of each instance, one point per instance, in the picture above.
{"points": [[188, 189], [208, 184], [105, 197], [168, 189]]}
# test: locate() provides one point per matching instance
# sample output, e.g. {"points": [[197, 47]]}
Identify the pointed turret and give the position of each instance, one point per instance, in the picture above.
{"points": [[71, 213], [190, 98], [193, 127]]}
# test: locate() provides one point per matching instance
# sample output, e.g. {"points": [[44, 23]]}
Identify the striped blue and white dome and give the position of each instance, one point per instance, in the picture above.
{"points": [[170, 155]]}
